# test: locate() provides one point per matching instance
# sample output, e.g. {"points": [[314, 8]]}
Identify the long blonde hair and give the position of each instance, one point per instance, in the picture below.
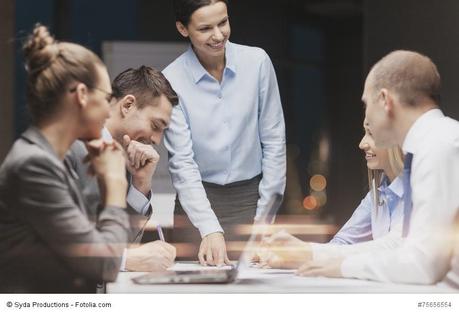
{"points": [[395, 156]]}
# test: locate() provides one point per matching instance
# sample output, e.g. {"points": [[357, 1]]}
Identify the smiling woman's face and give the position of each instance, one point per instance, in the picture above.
{"points": [[377, 159], [208, 30]]}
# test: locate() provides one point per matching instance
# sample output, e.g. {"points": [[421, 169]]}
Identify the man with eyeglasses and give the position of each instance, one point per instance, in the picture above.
{"points": [[141, 106]]}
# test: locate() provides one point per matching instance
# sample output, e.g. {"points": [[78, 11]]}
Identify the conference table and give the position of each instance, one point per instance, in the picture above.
{"points": [[255, 280]]}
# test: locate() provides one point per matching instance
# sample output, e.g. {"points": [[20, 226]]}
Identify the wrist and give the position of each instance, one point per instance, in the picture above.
{"points": [[115, 200], [114, 180], [115, 191], [212, 233], [306, 251], [144, 186]]}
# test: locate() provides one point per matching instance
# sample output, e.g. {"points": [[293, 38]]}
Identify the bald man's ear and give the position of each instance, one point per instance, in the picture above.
{"points": [[127, 105], [387, 101]]}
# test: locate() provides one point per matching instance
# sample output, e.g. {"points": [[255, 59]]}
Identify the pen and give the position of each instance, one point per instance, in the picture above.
{"points": [[160, 233]]}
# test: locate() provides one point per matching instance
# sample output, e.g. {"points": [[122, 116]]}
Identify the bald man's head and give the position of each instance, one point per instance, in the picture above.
{"points": [[412, 76]]}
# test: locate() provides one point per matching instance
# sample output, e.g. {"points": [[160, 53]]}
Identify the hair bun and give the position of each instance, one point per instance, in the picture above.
{"points": [[40, 49]]}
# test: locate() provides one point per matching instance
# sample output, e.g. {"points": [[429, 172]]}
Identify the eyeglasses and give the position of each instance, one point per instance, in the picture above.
{"points": [[109, 96]]}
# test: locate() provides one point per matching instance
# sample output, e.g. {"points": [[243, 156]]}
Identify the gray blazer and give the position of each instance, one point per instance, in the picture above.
{"points": [[90, 190], [47, 242]]}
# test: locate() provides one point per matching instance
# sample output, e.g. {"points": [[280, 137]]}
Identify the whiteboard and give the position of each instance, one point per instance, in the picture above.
{"points": [[119, 55]]}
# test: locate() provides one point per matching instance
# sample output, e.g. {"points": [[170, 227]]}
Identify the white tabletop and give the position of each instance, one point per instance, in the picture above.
{"points": [[271, 281]]}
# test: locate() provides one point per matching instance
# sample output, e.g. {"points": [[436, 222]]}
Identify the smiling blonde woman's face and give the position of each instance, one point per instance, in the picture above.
{"points": [[377, 159]]}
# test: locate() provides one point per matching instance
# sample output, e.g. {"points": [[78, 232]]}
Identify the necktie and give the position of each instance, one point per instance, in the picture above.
{"points": [[407, 202]]}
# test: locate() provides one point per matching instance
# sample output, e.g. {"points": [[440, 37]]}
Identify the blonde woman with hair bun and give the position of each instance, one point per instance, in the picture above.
{"points": [[47, 243]]}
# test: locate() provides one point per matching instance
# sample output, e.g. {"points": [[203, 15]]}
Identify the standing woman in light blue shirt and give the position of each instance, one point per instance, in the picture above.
{"points": [[226, 140]]}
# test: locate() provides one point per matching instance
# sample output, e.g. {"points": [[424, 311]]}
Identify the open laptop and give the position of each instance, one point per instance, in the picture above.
{"points": [[225, 274]]}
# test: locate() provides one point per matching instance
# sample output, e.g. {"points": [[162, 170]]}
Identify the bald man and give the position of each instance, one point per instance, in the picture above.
{"points": [[401, 98]]}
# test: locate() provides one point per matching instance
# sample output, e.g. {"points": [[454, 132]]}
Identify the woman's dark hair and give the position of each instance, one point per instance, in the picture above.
{"points": [[184, 9], [145, 83], [51, 66]]}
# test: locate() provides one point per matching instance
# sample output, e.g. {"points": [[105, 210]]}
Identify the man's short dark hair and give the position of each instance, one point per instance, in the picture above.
{"points": [[145, 83]]}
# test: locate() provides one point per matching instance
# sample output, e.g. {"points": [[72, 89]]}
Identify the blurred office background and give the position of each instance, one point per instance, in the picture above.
{"points": [[321, 49]]}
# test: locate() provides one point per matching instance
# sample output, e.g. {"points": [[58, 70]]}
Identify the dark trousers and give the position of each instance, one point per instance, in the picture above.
{"points": [[234, 205]]}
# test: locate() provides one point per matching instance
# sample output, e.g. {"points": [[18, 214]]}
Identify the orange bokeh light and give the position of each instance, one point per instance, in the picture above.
{"points": [[318, 182], [310, 203]]}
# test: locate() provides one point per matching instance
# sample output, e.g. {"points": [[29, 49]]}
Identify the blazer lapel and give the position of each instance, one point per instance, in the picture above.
{"points": [[33, 135], [72, 179]]}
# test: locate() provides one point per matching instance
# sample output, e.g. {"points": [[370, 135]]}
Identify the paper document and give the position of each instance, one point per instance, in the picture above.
{"points": [[195, 266]]}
